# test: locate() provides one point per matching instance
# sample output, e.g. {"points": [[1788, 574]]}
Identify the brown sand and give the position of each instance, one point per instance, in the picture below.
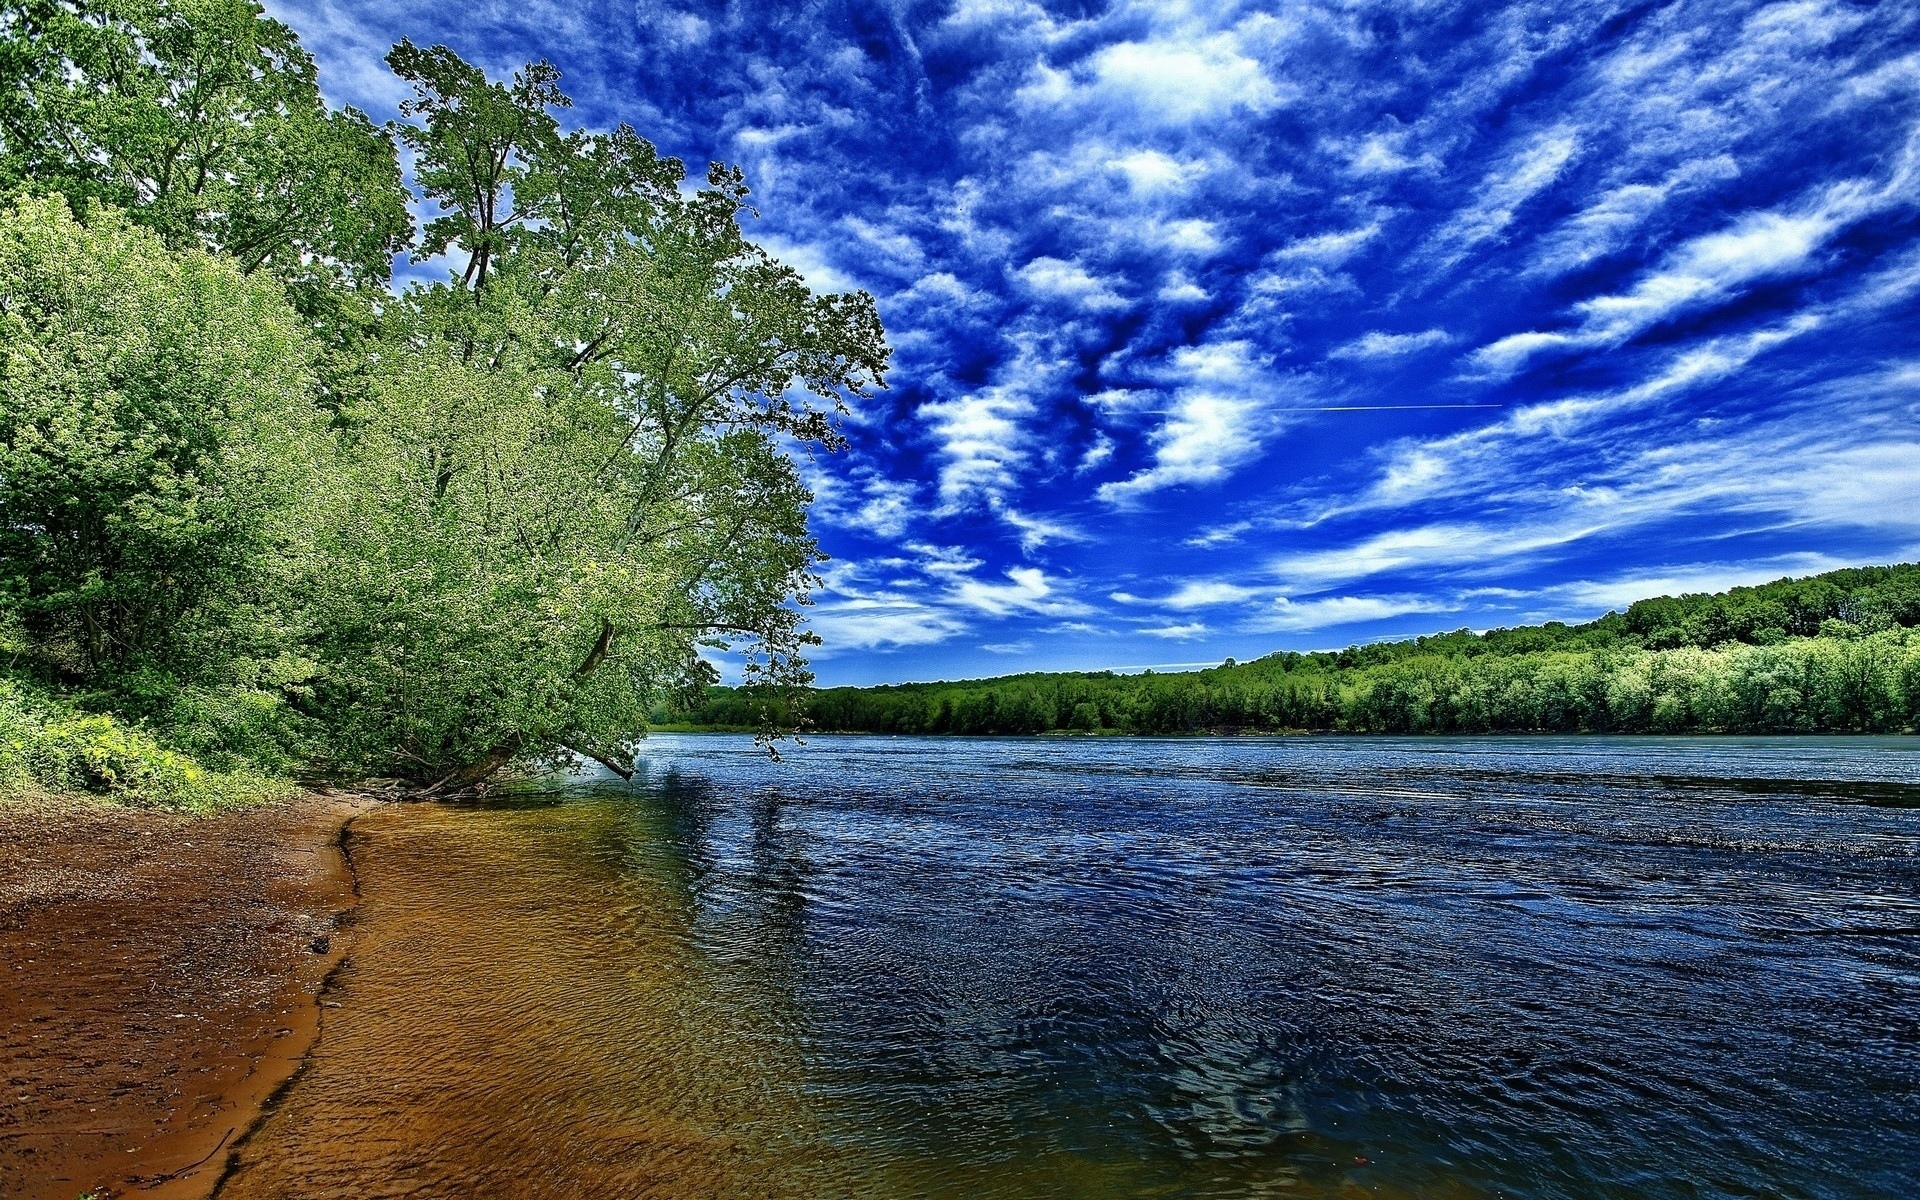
{"points": [[526, 1016], [161, 980]]}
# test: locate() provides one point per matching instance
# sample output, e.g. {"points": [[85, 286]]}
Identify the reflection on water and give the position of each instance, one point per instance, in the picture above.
{"points": [[1309, 967]]}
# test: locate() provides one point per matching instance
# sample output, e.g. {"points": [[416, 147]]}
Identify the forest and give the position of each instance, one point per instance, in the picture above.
{"points": [[263, 515], [1831, 653]]}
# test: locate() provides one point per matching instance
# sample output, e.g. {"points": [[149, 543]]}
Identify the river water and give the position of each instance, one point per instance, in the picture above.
{"points": [[1513, 967]]}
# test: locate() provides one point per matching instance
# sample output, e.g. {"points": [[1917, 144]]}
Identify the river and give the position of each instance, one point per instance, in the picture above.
{"points": [[1513, 967]]}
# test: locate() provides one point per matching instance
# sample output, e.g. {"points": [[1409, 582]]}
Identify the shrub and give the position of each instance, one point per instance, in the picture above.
{"points": [[45, 747]]}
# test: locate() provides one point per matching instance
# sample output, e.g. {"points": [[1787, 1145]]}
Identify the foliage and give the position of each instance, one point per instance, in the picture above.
{"points": [[1720, 663], [203, 119], [480, 145], [157, 437], [421, 535], [564, 472], [48, 747]]}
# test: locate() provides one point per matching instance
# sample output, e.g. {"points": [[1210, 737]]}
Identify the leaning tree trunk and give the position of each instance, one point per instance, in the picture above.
{"points": [[471, 776], [476, 773]]}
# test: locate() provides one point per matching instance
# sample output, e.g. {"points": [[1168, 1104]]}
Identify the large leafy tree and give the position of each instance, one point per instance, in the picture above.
{"points": [[569, 467], [158, 439], [203, 119]]}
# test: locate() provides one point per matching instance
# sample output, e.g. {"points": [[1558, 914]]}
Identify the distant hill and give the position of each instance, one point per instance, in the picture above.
{"points": [[1837, 652]]}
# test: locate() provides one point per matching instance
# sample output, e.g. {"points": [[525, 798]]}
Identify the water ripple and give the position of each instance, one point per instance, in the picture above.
{"points": [[1541, 967]]}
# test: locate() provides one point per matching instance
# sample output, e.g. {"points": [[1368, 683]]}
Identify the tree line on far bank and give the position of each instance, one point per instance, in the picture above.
{"points": [[261, 515], [1834, 653]]}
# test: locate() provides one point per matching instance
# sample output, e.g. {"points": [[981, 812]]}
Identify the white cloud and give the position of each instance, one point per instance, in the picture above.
{"points": [[1475, 545], [1290, 616], [1220, 415], [1036, 532], [1219, 535], [1188, 235], [1328, 249], [1683, 84], [1021, 14], [1606, 225], [1383, 154], [811, 262], [1171, 79], [1099, 452], [982, 440], [1123, 401], [1526, 174], [1194, 593], [1020, 647], [1206, 435], [1177, 633], [936, 598], [1800, 24], [943, 562], [683, 29], [1180, 289], [1475, 458], [889, 507], [1186, 81], [758, 138], [1811, 482], [1715, 267], [864, 500], [1027, 590], [1391, 345], [1510, 353], [1057, 279], [1152, 173], [941, 291], [983, 436], [874, 623], [1829, 465], [1755, 247], [901, 249], [1267, 286], [1898, 75], [1207, 593]]}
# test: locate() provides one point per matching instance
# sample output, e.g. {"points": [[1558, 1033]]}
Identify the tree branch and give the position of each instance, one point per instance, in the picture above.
{"points": [[598, 654], [621, 767]]}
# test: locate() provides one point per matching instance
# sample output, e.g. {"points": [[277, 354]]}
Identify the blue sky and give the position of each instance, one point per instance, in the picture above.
{"points": [[1223, 329]]}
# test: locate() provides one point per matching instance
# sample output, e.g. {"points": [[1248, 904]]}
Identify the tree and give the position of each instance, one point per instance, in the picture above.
{"points": [[569, 468], [477, 142], [157, 441], [203, 119]]}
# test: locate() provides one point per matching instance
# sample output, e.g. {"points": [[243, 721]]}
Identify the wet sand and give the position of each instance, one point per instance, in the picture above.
{"points": [[162, 979], [524, 1022]]}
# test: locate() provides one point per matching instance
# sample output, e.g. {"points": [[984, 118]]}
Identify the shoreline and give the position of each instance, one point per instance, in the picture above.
{"points": [[168, 977]]}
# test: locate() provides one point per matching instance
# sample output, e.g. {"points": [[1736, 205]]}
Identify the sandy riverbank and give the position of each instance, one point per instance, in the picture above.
{"points": [[162, 980]]}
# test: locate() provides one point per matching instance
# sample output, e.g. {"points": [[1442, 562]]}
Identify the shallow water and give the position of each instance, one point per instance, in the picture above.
{"points": [[1195, 968]]}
